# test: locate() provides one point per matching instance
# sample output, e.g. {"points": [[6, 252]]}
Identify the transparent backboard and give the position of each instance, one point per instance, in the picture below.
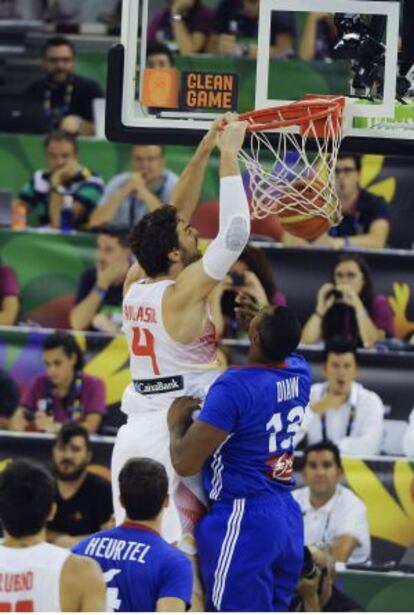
{"points": [[182, 63]]}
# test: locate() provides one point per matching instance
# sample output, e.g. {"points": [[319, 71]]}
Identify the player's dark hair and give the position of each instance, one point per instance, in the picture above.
{"points": [[143, 486], [279, 334], [69, 345], [120, 232], [357, 160], [58, 41], [153, 238], [27, 493], [60, 135], [161, 49], [72, 430], [323, 445], [339, 345]]}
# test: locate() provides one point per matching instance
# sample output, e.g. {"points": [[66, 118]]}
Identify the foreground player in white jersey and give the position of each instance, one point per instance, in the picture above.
{"points": [[34, 575], [166, 319]]}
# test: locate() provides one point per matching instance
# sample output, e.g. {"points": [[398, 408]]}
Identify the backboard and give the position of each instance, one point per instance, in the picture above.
{"points": [[180, 64]]}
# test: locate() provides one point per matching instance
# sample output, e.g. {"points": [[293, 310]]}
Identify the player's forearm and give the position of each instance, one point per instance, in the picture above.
{"points": [[187, 192], [234, 229], [229, 164], [82, 314]]}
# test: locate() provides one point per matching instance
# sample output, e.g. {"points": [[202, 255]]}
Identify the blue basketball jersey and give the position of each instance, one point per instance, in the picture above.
{"points": [[261, 408], [139, 567]]}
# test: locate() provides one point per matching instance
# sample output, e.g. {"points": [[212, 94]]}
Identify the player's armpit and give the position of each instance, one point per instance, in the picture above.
{"points": [[343, 546], [190, 451], [82, 587], [174, 605]]}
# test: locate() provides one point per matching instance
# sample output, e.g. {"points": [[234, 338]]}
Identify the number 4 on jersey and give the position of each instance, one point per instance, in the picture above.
{"points": [[143, 345], [275, 425]]}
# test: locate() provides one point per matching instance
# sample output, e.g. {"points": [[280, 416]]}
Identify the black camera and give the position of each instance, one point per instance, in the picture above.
{"points": [[309, 568], [336, 294], [360, 42]]}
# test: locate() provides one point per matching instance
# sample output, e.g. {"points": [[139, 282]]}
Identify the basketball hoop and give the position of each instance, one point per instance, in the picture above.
{"points": [[293, 179]]}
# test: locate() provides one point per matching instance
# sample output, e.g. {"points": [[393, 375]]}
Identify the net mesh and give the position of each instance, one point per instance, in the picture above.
{"points": [[298, 178]]}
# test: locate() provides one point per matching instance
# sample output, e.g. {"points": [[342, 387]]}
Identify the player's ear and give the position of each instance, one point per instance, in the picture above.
{"points": [[174, 256], [52, 512]]}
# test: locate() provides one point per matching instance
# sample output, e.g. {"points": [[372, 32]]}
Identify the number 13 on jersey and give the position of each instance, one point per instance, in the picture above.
{"points": [[275, 426]]}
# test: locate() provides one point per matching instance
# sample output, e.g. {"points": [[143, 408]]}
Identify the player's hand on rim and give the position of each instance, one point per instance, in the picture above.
{"points": [[231, 139], [181, 411]]}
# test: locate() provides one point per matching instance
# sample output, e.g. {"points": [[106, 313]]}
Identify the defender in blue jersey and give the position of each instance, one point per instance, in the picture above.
{"points": [[142, 571], [250, 543]]}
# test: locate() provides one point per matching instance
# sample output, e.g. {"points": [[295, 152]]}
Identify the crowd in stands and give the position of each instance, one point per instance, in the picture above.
{"points": [[344, 418]]}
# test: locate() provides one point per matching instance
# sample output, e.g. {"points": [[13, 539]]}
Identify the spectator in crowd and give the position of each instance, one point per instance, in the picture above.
{"points": [[83, 499], [235, 30], [347, 306], [341, 409], [66, 97], [44, 193], [9, 297], [184, 23], [163, 579], [9, 398], [98, 302], [129, 196], [65, 394], [252, 275], [159, 56], [318, 38], [366, 216], [332, 514]]}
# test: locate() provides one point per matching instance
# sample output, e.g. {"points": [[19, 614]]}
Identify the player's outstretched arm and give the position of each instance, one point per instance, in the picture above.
{"points": [[186, 194], [196, 281]]}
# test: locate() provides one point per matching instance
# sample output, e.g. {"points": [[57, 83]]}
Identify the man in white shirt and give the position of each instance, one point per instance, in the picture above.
{"points": [[342, 410], [129, 196], [332, 514]]}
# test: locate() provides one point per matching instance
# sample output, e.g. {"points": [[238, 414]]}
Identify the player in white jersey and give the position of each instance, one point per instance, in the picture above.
{"points": [[166, 317], [34, 575]]}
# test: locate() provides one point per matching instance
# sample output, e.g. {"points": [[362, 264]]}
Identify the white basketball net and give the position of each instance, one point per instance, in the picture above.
{"points": [[306, 178]]}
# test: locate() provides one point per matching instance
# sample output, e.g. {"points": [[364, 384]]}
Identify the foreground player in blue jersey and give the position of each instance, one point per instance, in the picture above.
{"points": [[142, 571], [250, 542]]}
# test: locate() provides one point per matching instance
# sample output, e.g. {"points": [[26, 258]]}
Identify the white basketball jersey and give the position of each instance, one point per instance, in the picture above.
{"points": [[30, 577], [162, 368]]}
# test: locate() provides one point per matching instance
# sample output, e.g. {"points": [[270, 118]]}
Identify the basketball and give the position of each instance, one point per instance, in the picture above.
{"points": [[296, 222]]}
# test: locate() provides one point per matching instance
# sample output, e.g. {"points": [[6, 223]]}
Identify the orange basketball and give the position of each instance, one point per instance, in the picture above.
{"points": [[304, 225]]}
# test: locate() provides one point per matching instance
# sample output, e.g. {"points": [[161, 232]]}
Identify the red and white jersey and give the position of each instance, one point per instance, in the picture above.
{"points": [[30, 577], [162, 368]]}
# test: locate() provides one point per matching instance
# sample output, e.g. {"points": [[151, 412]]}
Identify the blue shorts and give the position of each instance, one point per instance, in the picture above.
{"points": [[251, 553]]}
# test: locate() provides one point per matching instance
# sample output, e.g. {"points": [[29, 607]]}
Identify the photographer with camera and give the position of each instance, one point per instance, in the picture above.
{"points": [[251, 275], [316, 591], [341, 409], [347, 307]]}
